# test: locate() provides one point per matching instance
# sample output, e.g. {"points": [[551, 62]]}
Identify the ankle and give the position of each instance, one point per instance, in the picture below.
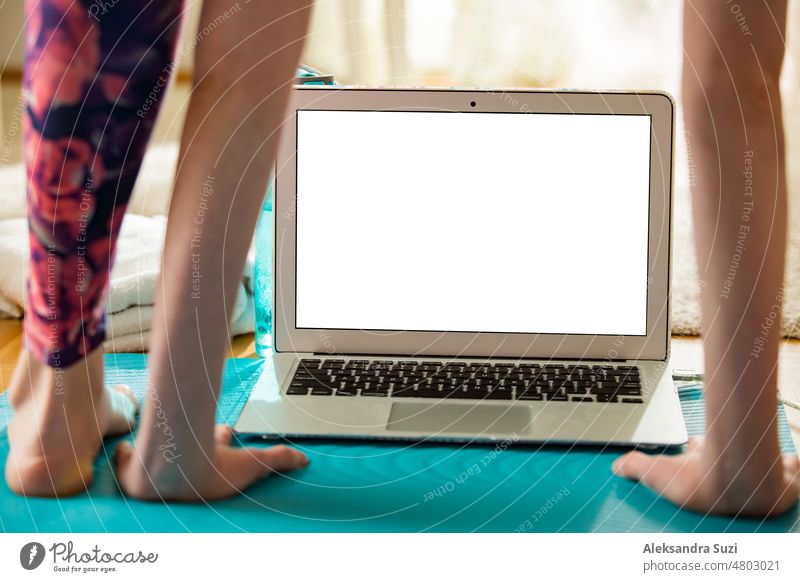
{"points": [[35, 381]]}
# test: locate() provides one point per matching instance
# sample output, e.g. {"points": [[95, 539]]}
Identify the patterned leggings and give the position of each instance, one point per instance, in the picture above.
{"points": [[95, 72]]}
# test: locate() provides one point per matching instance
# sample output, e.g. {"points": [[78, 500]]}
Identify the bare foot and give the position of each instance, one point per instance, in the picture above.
{"points": [[689, 480], [60, 419], [228, 472]]}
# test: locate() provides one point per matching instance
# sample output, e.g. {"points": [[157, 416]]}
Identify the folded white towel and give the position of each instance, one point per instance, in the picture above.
{"points": [[132, 280], [137, 319], [137, 265]]}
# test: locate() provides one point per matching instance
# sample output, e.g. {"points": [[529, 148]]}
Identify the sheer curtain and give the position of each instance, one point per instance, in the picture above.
{"points": [[583, 43], [614, 44], [515, 42]]}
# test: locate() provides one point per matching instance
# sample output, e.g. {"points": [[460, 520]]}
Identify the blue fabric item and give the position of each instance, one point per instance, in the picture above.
{"points": [[387, 487]]}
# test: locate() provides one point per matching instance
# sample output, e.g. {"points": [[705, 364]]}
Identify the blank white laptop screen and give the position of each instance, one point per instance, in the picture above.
{"points": [[473, 222]]}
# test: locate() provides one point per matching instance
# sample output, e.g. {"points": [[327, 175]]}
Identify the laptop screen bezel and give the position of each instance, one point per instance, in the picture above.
{"points": [[654, 345]]}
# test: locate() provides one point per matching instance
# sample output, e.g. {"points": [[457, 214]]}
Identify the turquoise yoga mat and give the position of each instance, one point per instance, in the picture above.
{"points": [[387, 487]]}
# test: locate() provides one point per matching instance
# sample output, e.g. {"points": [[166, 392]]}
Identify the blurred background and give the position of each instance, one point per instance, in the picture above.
{"points": [[609, 44], [520, 43]]}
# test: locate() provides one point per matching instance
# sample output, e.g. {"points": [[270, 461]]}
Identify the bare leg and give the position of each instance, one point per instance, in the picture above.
{"points": [[733, 114], [244, 71], [84, 144]]}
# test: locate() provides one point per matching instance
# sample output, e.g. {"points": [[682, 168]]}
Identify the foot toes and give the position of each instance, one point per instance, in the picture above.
{"points": [[791, 467], [223, 434], [123, 453], [122, 410], [126, 390], [280, 459]]}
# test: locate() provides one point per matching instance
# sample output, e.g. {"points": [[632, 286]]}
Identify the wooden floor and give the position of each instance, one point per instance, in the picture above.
{"points": [[242, 346], [686, 353]]}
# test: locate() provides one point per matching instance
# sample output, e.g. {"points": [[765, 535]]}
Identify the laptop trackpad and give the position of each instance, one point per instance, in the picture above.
{"points": [[461, 418]]}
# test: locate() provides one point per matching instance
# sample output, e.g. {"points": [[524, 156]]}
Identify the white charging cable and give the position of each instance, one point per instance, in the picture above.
{"points": [[695, 377]]}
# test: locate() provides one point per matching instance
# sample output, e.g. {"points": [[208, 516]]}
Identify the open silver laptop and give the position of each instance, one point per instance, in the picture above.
{"points": [[472, 266]]}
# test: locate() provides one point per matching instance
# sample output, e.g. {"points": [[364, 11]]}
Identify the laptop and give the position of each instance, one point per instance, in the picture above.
{"points": [[462, 265]]}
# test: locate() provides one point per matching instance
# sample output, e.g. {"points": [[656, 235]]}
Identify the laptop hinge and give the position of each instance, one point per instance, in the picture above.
{"points": [[330, 355]]}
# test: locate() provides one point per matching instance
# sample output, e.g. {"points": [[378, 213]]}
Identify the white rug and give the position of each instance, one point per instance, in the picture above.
{"points": [[686, 288]]}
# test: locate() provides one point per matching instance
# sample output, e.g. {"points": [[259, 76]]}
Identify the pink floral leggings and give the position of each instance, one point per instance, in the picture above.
{"points": [[95, 73]]}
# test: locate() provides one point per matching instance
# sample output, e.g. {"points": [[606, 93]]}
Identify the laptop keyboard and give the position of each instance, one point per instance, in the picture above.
{"points": [[462, 380]]}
